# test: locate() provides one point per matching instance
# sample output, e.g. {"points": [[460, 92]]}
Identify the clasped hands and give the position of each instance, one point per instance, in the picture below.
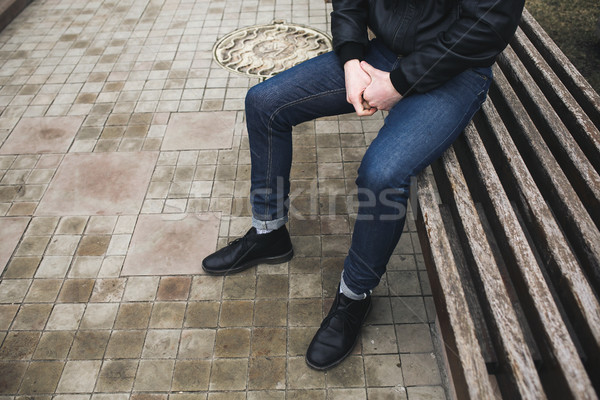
{"points": [[369, 89]]}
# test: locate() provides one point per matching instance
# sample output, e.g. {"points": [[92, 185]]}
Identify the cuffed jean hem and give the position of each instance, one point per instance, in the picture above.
{"points": [[269, 225], [349, 293]]}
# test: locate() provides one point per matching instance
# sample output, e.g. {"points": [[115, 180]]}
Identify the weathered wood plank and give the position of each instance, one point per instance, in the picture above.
{"points": [[551, 325], [569, 210], [579, 124], [481, 329], [586, 96], [582, 174], [509, 336], [561, 259], [469, 372]]}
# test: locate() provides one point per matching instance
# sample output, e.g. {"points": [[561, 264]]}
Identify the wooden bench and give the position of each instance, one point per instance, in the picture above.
{"points": [[508, 221], [9, 9]]}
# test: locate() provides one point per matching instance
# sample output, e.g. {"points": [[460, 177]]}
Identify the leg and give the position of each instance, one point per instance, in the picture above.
{"points": [[311, 90], [416, 132]]}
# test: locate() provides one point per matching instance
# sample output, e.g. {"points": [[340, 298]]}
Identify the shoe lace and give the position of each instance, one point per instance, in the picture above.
{"points": [[345, 314]]}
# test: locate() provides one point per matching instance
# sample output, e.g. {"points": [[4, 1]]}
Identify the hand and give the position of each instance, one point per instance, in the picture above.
{"points": [[356, 82], [380, 93]]}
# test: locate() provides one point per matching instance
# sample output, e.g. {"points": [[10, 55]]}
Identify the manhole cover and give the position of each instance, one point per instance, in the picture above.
{"points": [[266, 50]]}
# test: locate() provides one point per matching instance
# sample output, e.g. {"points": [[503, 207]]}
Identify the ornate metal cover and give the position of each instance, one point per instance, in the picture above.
{"points": [[266, 50]]}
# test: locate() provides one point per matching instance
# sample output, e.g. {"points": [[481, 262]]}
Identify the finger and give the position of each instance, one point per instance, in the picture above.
{"points": [[367, 67], [358, 107], [367, 113]]}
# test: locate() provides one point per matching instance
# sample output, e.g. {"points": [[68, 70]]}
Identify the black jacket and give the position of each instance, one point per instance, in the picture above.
{"points": [[438, 39]]}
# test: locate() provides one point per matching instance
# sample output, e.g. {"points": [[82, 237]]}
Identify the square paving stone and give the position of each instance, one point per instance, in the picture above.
{"points": [[42, 135], [174, 288], [99, 184], [11, 230], [41, 377], [117, 376], [154, 376], [268, 342], [420, 369], [350, 373], [267, 373], [191, 375], [197, 343], [10, 376], [167, 315], [133, 316], [239, 287], [301, 376], [65, 317], [93, 245], [171, 244], [206, 287], [99, 316], [32, 317], [379, 339], [202, 315], [161, 343], [76, 291], [89, 345], [44, 290], [383, 370], [7, 313], [414, 338], [236, 313], [22, 267], [229, 374], [125, 344], [199, 131], [234, 342], [79, 376], [54, 345], [270, 313], [108, 290], [19, 345]]}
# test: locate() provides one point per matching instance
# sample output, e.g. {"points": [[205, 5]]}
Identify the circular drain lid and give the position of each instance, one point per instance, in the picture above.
{"points": [[265, 50]]}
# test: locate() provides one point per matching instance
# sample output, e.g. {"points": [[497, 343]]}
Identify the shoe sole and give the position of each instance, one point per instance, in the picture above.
{"points": [[266, 260], [335, 363]]}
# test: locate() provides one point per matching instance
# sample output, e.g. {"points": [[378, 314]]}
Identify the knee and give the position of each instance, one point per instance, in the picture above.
{"points": [[255, 97], [378, 176]]}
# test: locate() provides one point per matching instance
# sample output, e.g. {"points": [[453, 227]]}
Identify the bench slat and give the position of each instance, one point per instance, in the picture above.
{"points": [[581, 298], [582, 91], [546, 311], [569, 210], [566, 107], [481, 329], [517, 356], [582, 174], [464, 353]]}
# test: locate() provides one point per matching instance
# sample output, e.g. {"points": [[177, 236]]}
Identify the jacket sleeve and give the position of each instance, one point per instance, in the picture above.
{"points": [[349, 28], [481, 32]]}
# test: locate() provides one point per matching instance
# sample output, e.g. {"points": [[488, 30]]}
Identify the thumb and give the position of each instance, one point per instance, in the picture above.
{"points": [[367, 67]]}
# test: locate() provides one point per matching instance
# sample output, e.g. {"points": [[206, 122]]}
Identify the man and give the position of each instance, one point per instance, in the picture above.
{"points": [[429, 66]]}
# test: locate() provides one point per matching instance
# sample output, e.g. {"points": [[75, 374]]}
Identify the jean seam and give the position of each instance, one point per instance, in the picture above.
{"points": [[270, 135]]}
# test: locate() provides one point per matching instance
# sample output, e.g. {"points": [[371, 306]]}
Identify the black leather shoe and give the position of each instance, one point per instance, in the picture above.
{"points": [[338, 333], [270, 248]]}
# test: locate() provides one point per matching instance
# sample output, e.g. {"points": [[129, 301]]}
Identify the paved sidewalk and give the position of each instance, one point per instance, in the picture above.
{"points": [[123, 162]]}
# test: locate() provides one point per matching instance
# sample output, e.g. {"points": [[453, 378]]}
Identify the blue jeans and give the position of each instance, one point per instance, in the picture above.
{"points": [[415, 133]]}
